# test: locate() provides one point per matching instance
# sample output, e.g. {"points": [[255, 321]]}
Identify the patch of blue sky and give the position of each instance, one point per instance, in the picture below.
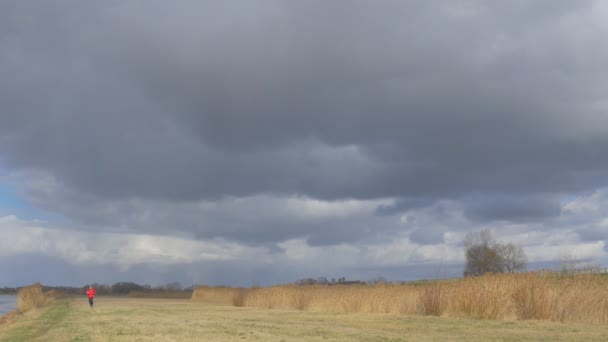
{"points": [[570, 198], [12, 204]]}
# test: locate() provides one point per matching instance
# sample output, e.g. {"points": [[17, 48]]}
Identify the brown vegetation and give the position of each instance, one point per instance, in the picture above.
{"points": [[220, 295], [128, 319], [580, 299], [431, 301], [9, 317], [32, 297]]}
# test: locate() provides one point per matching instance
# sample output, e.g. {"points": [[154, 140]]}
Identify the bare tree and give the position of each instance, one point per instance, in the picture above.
{"points": [[481, 254], [481, 260], [513, 257], [484, 255], [482, 237]]}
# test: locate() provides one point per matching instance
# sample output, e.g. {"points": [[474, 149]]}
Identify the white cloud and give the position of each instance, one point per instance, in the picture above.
{"points": [[80, 248], [542, 241], [593, 251]]}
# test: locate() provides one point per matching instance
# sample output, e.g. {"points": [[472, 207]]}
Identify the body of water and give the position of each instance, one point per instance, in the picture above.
{"points": [[7, 303]]}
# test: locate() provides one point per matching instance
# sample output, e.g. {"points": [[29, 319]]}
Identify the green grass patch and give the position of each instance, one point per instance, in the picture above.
{"points": [[123, 312], [39, 325], [79, 339]]}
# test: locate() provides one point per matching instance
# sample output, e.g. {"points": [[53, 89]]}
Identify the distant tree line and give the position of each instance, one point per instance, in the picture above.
{"points": [[120, 288], [64, 289], [325, 281], [123, 288], [8, 290]]}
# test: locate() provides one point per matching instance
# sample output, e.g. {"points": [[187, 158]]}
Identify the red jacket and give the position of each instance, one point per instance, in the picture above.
{"points": [[91, 293]]}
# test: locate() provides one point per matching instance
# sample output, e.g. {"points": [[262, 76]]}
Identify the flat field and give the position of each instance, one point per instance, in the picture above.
{"points": [[138, 319]]}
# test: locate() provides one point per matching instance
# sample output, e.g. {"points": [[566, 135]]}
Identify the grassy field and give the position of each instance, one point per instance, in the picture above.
{"points": [[135, 319]]}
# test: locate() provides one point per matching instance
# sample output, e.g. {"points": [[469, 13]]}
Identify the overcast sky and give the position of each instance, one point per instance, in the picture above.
{"points": [[258, 142]]}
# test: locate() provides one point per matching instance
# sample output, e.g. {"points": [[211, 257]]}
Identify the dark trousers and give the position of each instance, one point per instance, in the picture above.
{"points": [[91, 302]]}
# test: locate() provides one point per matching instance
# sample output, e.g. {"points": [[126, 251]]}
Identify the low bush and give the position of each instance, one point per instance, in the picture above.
{"points": [[32, 297]]}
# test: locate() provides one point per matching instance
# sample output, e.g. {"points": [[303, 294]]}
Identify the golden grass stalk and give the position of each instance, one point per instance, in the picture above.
{"points": [[238, 297], [432, 300], [534, 298], [218, 294], [480, 297]]}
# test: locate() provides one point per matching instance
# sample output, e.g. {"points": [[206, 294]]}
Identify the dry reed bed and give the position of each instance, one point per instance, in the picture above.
{"points": [[29, 298], [580, 299], [32, 297], [220, 295]]}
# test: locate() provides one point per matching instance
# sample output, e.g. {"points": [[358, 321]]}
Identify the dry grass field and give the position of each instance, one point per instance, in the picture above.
{"points": [[521, 307], [137, 319]]}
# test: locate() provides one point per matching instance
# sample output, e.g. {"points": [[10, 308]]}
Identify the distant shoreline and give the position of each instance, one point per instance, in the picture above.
{"points": [[8, 308], [8, 303]]}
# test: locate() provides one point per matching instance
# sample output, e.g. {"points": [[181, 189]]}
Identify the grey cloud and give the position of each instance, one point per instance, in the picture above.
{"points": [[123, 101], [350, 231], [30, 268], [427, 236], [168, 97], [516, 209], [402, 205], [258, 220], [593, 234]]}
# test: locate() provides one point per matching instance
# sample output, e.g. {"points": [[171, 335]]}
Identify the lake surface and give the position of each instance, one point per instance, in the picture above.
{"points": [[7, 303]]}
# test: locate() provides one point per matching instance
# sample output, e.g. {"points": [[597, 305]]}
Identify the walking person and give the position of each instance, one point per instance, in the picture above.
{"points": [[91, 294]]}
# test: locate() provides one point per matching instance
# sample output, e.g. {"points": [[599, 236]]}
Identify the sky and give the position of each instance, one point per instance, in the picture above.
{"points": [[261, 142]]}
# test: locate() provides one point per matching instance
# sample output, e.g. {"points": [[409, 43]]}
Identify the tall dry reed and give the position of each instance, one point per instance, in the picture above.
{"points": [[432, 300], [219, 295], [534, 298], [32, 297], [484, 297], [579, 298], [383, 298]]}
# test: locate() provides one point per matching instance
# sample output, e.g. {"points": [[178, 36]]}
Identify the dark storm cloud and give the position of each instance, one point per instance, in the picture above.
{"points": [[30, 268], [517, 209], [427, 236], [403, 204], [331, 100]]}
